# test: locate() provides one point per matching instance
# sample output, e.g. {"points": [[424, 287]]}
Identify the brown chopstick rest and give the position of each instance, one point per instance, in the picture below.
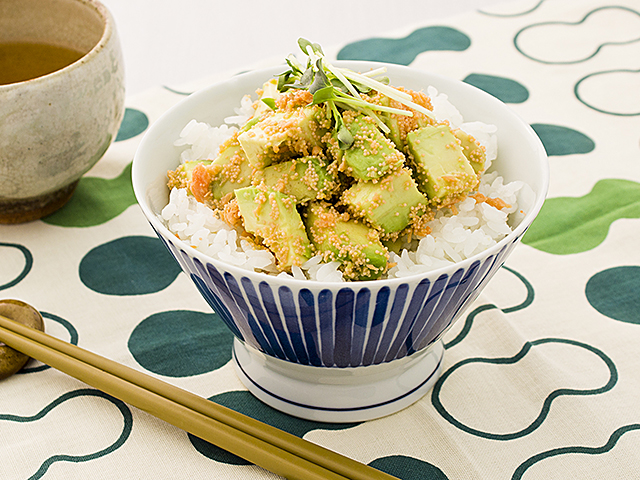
{"points": [[11, 361]]}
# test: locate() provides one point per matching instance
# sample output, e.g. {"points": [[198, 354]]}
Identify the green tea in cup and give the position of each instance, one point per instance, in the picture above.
{"points": [[20, 61]]}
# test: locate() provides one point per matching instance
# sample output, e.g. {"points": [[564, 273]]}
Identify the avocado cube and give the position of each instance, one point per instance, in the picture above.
{"points": [[400, 125], [269, 90], [287, 133], [229, 171], [273, 217], [351, 242], [305, 178], [372, 155], [395, 133], [474, 152], [390, 204], [444, 173]]}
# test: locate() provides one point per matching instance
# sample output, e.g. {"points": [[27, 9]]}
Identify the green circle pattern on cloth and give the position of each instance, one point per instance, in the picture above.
{"points": [[615, 292], [504, 89], [559, 140], [408, 468], [133, 265], [403, 51], [133, 124], [181, 343]]}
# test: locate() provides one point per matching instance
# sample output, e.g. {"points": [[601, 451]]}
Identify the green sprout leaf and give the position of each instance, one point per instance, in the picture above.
{"points": [[323, 95], [282, 82], [338, 85], [306, 78], [343, 88], [320, 80], [295, 65], [304, 45], [285, 80], [345, 139]]}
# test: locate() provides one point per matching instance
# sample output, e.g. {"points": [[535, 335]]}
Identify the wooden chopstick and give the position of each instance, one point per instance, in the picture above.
{"points": [[256, 442]]}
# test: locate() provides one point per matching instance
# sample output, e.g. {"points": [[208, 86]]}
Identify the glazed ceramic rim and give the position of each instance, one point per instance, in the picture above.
{"points": [[141, 185], [107, 33]]}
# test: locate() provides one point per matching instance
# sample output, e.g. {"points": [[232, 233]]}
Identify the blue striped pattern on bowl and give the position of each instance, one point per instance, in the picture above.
{"points": [[339, 324]]}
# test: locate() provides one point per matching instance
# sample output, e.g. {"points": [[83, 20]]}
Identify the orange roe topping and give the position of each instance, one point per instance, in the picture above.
{"points": [[494, 202]]}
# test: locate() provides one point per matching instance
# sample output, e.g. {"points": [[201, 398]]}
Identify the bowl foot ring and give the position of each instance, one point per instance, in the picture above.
{"points": [[34, 208], [338, 395]]}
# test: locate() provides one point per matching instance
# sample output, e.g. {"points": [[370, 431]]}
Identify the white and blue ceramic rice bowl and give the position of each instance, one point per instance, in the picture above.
{"points": [[350, 351]]}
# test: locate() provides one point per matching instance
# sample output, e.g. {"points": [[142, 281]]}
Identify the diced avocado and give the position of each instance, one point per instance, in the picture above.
{"points": [[273, 217], [372, 155], [254, 142], [269, 90], [287, 133], [400, 125], [391, 121], [305, 178], [333, 149], [394, 131], [230, 171], [474, 152], [351, 242], [443, 172], [390, 204]]}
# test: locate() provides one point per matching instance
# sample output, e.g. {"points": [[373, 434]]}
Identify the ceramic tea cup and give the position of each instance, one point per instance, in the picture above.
{"points": [[56, 121]]}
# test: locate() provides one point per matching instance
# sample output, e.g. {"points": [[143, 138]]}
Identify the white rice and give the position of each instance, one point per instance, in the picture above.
{"points": [[453, 238]]}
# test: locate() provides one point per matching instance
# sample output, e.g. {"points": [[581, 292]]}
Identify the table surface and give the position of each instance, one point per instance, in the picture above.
{"points": [[541, 377]]}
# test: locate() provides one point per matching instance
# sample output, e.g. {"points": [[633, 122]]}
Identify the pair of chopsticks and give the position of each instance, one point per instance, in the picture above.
{"points": [[266, 446]]}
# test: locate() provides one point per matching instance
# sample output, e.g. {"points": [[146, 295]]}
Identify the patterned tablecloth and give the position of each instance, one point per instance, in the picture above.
{"points": [[541, 377]]}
